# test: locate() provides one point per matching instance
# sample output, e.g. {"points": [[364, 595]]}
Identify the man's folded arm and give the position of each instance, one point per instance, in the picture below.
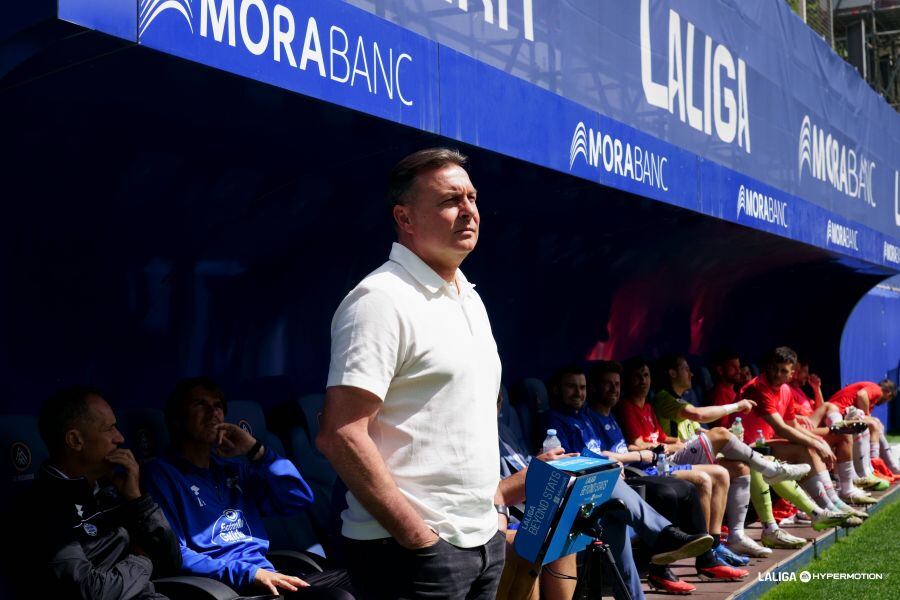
{"points": [[128, 578]]}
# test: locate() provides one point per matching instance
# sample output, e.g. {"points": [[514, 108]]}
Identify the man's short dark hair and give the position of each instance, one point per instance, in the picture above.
{"points": [[781, 354], [722, 356], [182, 391], [404, 173], [667, 363], [888, 387], [571, 369], [65, 409], [602, 367]]}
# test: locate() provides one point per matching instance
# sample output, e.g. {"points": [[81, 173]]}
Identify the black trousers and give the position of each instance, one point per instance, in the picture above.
{"points": [[674, 499], [384, 570], [333, 584]]}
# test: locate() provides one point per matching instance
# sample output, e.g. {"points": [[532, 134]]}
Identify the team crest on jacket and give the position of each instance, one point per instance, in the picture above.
{"points": [[231, 528]]}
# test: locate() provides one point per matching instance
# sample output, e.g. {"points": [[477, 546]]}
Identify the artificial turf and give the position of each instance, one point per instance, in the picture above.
{"points": [[873, 548]]}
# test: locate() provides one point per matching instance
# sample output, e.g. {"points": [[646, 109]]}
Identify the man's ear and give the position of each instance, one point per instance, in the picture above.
{"points": [[74, 440], [402, 217]]}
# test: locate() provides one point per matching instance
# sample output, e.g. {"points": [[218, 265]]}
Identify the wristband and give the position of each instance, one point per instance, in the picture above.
{"points": [[252, 452], [502, 509], [731, 408]]}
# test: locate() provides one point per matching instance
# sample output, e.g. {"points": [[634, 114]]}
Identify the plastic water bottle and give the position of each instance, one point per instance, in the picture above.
{"points": [[760, 439], [737, 428], [662, 465], [551, 442]]}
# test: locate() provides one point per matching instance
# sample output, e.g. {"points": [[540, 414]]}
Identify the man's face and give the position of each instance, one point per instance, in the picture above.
{"points": [[681, 375], [746, 375], [441, 216], [780, 373], [730, 371], [573, 390], [800, 375], [639, 381], [99, 437], [203, 412], [608, 388]]}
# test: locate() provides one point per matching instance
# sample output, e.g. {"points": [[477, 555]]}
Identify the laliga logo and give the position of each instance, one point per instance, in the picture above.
{"points": [[830, 161], [150, 9], [579, 144]]}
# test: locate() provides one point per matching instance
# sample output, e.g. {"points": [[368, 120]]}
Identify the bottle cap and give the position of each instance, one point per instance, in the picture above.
{"points": [[551, 432], [737, 419]]}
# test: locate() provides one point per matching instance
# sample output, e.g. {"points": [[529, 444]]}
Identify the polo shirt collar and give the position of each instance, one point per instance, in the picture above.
{"points": [[424, 274]]}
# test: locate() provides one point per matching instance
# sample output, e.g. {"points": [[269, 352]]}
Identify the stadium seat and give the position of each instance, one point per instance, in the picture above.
{"points": [[145, 432], [530, 399], [297, 532]]}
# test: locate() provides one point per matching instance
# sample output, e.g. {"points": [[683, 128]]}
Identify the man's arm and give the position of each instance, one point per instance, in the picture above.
{"points": [[862, 400], [344, 439], [708, 414], [798, 436], [127, 579], [153, 534]]}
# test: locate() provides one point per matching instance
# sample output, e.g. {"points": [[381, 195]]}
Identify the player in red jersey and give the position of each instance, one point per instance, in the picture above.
{"points": [[774, 419], [855, 401]]}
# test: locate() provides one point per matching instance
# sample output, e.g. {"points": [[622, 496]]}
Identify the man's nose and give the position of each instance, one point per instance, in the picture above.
{"points": [[118, 438]]}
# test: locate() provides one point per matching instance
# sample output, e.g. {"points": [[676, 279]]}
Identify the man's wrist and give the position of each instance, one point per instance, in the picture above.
{"points": [[731, 408], [256, 451]]}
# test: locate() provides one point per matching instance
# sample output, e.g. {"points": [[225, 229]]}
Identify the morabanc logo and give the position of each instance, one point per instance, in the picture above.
{"points": [[273, 31], [892, 253], [610, 154], [761, 207], [841, 235], [830, 161]]}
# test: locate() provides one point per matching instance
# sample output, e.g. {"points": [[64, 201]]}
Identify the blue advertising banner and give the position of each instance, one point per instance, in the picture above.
{"points": [[734, 109], [325, 49]]}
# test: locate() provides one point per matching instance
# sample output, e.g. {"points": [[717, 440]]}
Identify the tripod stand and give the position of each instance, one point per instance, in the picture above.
{"points": [[598, 553]]}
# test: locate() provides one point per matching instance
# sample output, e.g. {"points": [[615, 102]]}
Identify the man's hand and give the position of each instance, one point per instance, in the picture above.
{"points": [[554, 454], [825, 452], [232, 441], [425, 539], [128, 480], [745, 406], [272, 581], [814, 381], [804, 422]]}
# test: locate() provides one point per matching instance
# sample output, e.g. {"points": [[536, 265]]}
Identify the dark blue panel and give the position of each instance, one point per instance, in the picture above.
{"points": [[115, 17], [323, 48]]}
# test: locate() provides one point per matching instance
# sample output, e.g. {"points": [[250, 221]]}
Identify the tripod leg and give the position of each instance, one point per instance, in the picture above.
{"points": [[614, 568]]}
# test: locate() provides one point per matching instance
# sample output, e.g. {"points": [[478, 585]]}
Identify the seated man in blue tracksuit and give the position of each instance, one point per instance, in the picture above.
{"points": [[215, 501]]}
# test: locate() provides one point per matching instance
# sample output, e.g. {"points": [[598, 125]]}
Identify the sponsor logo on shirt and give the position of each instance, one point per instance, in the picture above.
{"points": [[196, 492], [89, 529], [231, 528]]}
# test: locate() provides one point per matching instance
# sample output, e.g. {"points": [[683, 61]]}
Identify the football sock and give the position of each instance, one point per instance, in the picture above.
{"points": [[738, 503], [735, 449]]}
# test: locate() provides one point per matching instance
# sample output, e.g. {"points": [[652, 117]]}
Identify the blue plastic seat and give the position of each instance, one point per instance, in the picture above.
{"points": [[145, 432], [295, 532], [531, 401]]}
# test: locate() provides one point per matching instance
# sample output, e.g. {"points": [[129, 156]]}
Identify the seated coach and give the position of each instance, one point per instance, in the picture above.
{"points": [[215, 501]]}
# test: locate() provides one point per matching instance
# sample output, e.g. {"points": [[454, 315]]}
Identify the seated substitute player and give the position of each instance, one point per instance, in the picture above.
{"points": [[94, 534], [216, 502], [774, 419], [667, 542], [862, 396]]}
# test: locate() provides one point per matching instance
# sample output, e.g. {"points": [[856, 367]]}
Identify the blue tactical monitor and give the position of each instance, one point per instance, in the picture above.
{"points": [[556, 493]]}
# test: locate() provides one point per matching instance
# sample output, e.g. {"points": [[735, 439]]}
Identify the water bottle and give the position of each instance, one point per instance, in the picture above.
{"points": [[760, 439], [737, 428], [662, 465], [551, 442]]}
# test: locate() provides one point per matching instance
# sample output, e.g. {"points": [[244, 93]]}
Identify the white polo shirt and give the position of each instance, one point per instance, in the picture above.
{"points": [[405, 335]]}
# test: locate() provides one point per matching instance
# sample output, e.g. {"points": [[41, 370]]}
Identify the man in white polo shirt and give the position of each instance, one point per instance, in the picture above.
{"points": [[410, 412]]}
